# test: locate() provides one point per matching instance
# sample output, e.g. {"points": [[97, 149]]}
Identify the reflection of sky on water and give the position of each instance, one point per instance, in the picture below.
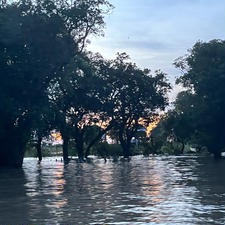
{"points": [[160, 190], [58, 201]]}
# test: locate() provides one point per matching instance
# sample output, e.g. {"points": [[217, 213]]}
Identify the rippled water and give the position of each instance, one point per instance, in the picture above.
{"points": [[157, 190]]}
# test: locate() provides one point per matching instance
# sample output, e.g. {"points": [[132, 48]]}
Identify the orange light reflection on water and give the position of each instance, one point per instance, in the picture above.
{"points": [[59, 182]]}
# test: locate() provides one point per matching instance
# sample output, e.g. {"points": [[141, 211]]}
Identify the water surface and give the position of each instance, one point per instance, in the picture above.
{"points": [[155, 190]]}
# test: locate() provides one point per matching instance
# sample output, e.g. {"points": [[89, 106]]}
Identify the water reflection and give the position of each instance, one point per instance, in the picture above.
{"points": [[13, 199], [160, 190]]}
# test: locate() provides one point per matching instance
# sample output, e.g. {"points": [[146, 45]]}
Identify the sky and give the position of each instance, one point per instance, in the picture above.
{"points": [[156, 32]]}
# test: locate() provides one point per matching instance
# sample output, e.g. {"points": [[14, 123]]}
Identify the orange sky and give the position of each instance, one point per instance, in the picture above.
{"points": [[57, 136]]}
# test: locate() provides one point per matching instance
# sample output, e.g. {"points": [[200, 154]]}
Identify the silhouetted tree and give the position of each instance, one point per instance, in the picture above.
{"points": [[37, 40], [134, 94], [204, 78], [76, 100]]}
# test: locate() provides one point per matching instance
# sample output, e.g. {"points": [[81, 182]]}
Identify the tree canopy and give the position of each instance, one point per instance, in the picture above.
{"points": [[49, 81], [37, 41], [203, 104], [135, 95]]}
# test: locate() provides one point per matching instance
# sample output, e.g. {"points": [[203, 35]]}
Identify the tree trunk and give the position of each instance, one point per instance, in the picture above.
{"points": [[65, 138], [126, 151], [80, 149], [87, 152], [65, 147], [12, 151], [39, 152], [125, 144], [97, 138], [182, 147]]}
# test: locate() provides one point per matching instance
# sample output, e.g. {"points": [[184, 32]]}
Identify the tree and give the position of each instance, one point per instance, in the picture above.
{"points": [[37, 40], [42, 126], [134, 95], [179, 122], [204, 78], [76, 100], [27, 65]]}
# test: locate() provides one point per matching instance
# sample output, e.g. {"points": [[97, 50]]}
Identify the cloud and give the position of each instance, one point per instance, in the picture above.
{"points": [[155, 32], [135, 44]]}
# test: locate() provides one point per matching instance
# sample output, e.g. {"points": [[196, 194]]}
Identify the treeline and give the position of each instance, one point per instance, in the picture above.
{"points": [[50, 82], [198, 117]]}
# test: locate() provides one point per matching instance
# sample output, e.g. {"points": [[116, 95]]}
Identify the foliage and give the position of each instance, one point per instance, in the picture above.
{"points": [[113, 94], [204, 106], [75, 97], [49, 81], [132, 94], [38, 39], [27, 65]]}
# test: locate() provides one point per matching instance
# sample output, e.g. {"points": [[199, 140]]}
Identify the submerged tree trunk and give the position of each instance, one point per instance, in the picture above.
{"points": [[97, 138], [79, 142], [182, 147], [12, 151], [126, 150], [14, 137], [39, 152], [65, 147], [125, 144], [80, 148]]}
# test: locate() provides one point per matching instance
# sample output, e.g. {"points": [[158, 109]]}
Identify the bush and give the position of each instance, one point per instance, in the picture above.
{"points": [[171, 148]]}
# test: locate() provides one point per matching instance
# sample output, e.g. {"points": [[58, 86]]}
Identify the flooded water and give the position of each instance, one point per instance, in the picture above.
{"points": [[155, 190]]}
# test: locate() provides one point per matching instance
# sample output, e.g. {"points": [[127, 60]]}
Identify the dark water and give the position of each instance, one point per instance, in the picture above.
{"points": [[158, 190]]}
